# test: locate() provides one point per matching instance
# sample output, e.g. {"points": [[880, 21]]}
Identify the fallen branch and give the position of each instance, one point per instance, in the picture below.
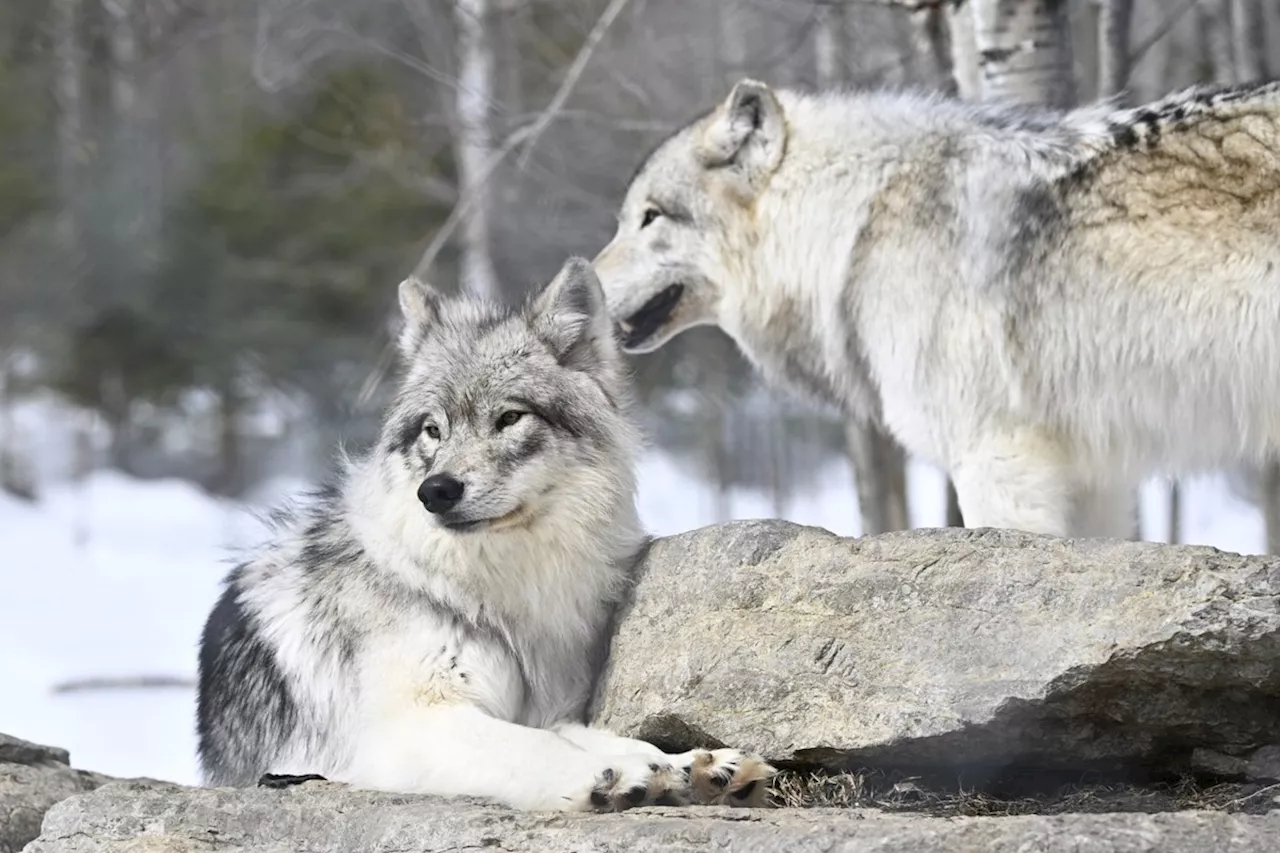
{"points": [[134, 682]]}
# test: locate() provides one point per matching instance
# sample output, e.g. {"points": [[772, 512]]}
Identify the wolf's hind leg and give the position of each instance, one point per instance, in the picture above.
{"points": [[716, 776], [1019, 482], [1105, 512]]}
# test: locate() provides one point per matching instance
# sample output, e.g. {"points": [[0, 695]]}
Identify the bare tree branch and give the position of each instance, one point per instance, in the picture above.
{"points": [[572, 76], [1166, 26], [909, 5]]}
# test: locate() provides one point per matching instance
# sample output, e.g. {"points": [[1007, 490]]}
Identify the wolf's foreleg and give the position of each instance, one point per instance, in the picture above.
{"points": [[1018, 481], [459, 750], [716, 776]]}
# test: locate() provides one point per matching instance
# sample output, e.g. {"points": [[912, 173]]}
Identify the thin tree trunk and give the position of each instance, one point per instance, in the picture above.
{"points": [[965, 65], [69, 64], [1213, 20], [934, 39], [1249, 37], [516, 22], [82, 465], [1175, 512], [1115, 23], [829, 45], [230, 479], [476, 74], [904, 43], [15, 474], [733, 41], [122, 190], [69, 57], [1024, 51], [123, 39]]}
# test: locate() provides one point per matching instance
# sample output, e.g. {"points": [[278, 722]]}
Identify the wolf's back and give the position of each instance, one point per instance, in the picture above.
{"points": [[1197, 157]]}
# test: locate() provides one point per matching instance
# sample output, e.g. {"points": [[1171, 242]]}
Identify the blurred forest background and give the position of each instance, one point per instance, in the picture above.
{"points": [[206, 205]]}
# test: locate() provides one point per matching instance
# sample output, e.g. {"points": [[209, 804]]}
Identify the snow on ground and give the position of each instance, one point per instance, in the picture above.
{"points": [[115, 578]]}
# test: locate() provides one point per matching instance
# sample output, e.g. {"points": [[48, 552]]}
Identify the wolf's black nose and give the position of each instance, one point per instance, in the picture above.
{"points": [[440, 492]]}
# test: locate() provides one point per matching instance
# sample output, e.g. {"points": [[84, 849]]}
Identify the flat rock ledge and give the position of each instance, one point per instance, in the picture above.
{"points": [[132, 817], [962, 650]]}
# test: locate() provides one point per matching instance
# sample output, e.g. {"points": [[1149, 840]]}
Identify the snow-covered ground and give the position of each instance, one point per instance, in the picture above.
{"points": [[115, 577]]}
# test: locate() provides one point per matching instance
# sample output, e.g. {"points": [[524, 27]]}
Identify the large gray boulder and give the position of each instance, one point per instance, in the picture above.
{"points": [[957, 649], [33, 778], [131, 817]]}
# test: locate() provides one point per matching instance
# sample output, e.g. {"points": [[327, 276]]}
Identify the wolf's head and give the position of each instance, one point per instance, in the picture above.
{"points": [[507, 419], [686, 215]]}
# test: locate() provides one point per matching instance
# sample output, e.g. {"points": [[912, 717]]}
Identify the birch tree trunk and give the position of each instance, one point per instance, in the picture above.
{"points": [[1024, 51], [474, 144]]}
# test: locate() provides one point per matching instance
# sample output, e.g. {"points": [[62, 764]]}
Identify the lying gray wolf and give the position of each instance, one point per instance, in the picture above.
{"points": [[430, 624]]}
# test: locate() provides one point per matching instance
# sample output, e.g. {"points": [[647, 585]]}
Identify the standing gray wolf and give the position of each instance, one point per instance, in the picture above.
{"points": [[1051, 306], [432, 623]]}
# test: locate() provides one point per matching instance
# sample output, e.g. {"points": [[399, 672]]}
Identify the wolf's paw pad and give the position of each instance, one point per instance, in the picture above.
{"points": [[638, 781], [729, 777]]}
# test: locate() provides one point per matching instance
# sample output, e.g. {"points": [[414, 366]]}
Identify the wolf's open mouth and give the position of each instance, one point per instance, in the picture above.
{"points": [[641, 325]]}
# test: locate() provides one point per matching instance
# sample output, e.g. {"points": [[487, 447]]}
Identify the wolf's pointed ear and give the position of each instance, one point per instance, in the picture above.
{"points": [[420, 308], [747, 133], [570, 315]]}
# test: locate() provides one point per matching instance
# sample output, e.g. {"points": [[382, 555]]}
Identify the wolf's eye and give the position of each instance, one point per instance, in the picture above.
{"points": [[432, 431], [650, 215], [509, 419]]}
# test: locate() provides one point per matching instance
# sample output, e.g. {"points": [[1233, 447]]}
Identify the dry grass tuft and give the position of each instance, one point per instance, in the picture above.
{"points": [[792, 789]]}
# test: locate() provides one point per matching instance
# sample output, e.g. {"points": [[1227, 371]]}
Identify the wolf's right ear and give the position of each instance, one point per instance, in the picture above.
{"points": [[747, 133], [570, 315], [420, 308]]}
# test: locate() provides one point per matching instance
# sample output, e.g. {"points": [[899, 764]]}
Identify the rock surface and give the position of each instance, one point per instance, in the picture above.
{"points": [[130, 817], [1263, 765], [947, 648], [33, 778]]}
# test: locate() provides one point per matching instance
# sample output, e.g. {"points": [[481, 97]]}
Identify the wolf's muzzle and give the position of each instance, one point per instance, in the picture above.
{"points": [[646, 321], [440, 493]]}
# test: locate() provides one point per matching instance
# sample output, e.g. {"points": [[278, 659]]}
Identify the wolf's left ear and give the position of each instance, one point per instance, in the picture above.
{"points": [[420, 308], [570, 315], [746, 133]]}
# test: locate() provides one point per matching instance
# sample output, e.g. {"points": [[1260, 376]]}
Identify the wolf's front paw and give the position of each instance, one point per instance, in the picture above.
{"points": [[727, 777], [632, 780]]}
